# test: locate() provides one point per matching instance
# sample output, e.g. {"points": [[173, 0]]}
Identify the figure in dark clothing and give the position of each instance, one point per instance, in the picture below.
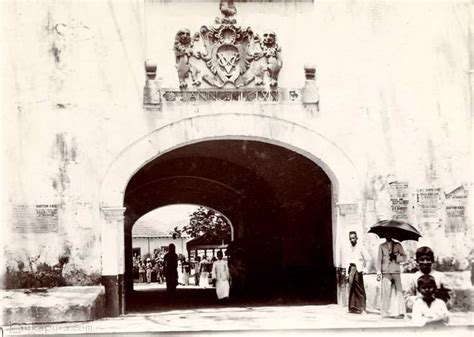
{"points": [[171, 269]]}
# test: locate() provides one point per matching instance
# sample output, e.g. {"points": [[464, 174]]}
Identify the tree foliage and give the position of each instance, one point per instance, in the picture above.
{"points": [[205, 222]]}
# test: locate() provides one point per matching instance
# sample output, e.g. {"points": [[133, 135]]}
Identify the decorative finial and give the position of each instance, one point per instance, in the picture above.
{"points": [[310, 72], [150, 69]]}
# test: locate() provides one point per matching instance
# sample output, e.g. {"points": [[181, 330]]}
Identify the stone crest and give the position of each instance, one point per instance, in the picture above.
{"points": [[227, 56]]}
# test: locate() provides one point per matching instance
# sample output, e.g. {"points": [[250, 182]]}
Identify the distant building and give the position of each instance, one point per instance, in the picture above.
{"points": [[206, 246], [146, 238]]}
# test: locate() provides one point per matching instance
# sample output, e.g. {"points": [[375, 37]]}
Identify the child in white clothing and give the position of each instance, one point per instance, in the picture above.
{"points": [[427, 309]]}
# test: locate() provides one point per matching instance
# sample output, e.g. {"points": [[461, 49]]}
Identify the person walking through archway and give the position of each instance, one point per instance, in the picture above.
{"points": [[148, 270], [204, 268], [220, 273], [171, 269]]}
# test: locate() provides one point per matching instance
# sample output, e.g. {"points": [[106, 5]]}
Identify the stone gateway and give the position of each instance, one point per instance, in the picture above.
{"points": [[300, 121]]}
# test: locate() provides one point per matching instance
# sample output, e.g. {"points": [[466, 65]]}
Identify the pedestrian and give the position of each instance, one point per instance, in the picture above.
{"points": [[160, 276], [357, 261], [424, 260], [141, 272], [427, 309], [196, 265], [220, 273], [148, 269], [186, 271], [171, 269], [156, 271], [390, 255], [204, 273], [180, 272]]}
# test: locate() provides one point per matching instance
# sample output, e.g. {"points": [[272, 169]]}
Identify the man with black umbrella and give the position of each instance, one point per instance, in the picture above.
{"points": [[390, 255]]}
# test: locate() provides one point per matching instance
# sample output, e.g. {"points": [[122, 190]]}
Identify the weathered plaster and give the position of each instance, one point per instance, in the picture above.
{"points": [[394, 99]]}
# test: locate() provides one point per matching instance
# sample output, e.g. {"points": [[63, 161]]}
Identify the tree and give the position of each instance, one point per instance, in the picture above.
{"points": [[205, 222]]}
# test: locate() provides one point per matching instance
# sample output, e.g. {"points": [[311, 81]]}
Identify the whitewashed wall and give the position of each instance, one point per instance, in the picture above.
{"points": [[393, 79]]}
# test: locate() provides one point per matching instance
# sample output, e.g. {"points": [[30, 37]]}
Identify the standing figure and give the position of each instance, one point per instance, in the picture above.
{"points": [[197, 265], [159, 271], [390, 255], [424, 261], [149, 269], [171, 269], [356, 261], [220, 273], [186, 271], [204, 272], [141, 272], [427, 309], [180, 272]]}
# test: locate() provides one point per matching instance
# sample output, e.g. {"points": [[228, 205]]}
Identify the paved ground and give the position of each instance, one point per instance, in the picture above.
{"points": [[266, 320], [239, 318]]}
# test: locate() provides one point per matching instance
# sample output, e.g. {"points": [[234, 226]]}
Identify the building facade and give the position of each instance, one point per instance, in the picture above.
{"points": [[298, 120]]}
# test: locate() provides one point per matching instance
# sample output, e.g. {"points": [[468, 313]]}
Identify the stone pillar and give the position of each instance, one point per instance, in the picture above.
{"points": [[113, 247], [310, 93], [151, 91]]}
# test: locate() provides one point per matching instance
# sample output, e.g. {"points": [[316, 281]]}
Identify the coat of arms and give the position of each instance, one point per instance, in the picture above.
{"points": [[227, 56]]}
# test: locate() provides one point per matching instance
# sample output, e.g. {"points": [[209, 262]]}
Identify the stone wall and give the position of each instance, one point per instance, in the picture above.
{"points": [[394, 98]]}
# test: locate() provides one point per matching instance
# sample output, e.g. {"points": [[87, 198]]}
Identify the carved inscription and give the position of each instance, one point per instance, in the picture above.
{"points": [[222, 96]]}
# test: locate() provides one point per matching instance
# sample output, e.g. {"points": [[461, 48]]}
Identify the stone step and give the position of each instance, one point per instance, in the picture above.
{"points": [[62, 304]]}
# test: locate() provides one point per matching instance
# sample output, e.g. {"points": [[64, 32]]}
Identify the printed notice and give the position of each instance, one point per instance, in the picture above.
{"points": [[35, 218], [350, 213], [456, 202], [399, 200], [428, 208]]}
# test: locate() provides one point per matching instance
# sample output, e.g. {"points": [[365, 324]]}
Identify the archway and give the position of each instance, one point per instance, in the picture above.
{"points": [[196, 231], [322, 154], [279, 202]]}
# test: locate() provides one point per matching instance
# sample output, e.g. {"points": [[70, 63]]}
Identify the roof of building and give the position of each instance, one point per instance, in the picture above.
{"points": [[149, 230], [207, 242]]}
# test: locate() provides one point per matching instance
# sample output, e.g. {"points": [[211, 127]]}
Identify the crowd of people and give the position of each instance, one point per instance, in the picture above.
{"points": [[428, 297], [174, 271]]}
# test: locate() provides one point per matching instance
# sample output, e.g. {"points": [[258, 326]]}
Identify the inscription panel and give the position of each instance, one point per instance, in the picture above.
{"points": [[41, 218]]}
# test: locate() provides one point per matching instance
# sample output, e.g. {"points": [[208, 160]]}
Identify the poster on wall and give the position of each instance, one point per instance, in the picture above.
{"points": [[398, 191], [349, 214], [428, 208], [456, 202], [35, 218]]}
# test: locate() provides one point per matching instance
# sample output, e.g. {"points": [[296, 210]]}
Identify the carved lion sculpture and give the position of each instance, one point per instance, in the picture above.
{"points": [[270, 53], [183, 49]]}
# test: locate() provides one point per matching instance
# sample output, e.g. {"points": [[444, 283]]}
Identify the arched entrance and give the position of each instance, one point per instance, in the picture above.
{"points": [[259, 207]]}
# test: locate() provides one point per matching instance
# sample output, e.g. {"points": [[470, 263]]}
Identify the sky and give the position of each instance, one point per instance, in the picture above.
{"points": [[169, 216]]}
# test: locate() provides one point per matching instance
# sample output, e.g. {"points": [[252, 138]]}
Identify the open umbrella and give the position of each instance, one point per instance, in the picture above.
{"points": [[396, 229]]}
